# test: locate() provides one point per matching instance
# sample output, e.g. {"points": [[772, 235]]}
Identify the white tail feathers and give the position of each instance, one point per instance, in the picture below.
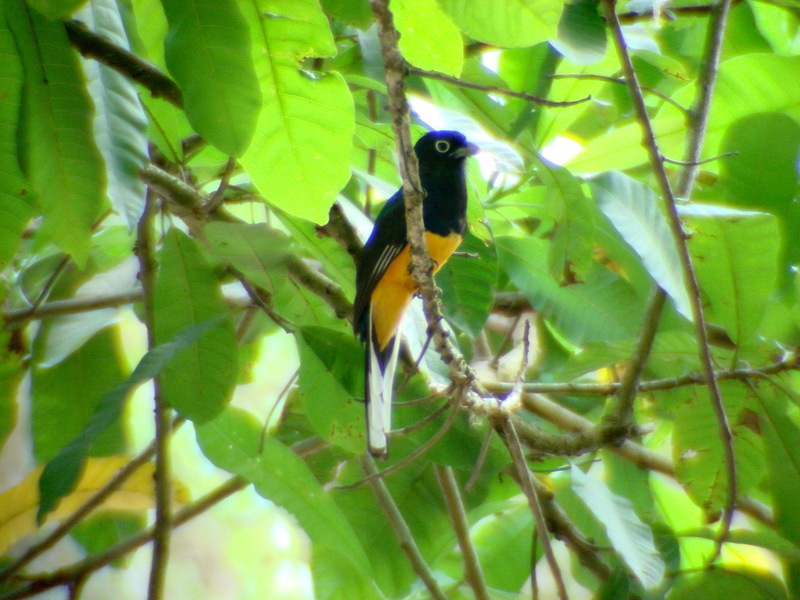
{"points": [[380, 381]]}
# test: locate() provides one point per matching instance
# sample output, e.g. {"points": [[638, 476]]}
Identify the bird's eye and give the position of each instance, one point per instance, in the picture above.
{"points": [[442, 146]]}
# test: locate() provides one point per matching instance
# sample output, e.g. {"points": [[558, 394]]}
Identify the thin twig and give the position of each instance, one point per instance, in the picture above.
{"points": [[218, 197], [491, 89], [19, 317], [458, 518], [524, 475], [700, 116], [400, 527], [145, 249], [697, 163], [619, 80]]}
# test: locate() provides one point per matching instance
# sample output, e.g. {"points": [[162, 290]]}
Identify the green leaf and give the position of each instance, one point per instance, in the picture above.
{"points": [[56, 9], [257, 251], [631, 538], [605, 307], [207, 50], [60, 474], [120, 124], [735, 255], [697, 450], [632, 208], [233, 441], [10, 374], [467, 285], [782, 452], [762, 171], [428, 38], [59, 153], [199, 382], [572, 241], [582, 32], [64, 397], [506, 23], [494, 535], [767, 539], [357, 13], [733, 582], [15, 208], [747, 84], [331, 380], [300, 155]]}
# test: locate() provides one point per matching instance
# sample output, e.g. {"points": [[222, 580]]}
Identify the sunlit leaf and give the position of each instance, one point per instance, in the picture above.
{"points": [[207, 50], [506, 23], [428, 38], [718, 584], [300, 154], [631, 538], [18, 505], [633, 210], [120, 124]]}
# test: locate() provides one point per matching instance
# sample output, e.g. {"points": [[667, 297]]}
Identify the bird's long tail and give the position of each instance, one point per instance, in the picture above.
{"points": [[380, 368]]}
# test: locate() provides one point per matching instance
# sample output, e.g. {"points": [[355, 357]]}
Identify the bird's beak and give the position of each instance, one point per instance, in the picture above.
{"points": [[468, 150]]}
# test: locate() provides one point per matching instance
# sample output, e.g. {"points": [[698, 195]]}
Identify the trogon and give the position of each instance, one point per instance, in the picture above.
{"points": [[384, 285]]}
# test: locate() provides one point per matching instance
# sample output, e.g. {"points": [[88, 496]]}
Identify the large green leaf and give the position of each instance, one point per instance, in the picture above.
{"points": [[467, 285], [56, 9], [572, 241], [494, 535], [120, 124], [336, 578], [199, 382], [207, 50], [506, 23], [697, 450], [632, 208], [735, 255], [60, 474], [64, 397], [331, 382], [631, 538], [353, 12], [59, 153], [730, 583], [428, 38], [233, 441], [257, 251], [760, 171], [300, 155], [605, 307], [747, 84], [582, 32], [15, 208]]}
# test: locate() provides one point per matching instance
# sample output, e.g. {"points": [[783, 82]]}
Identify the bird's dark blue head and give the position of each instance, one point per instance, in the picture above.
{"points": [[442, 152]]}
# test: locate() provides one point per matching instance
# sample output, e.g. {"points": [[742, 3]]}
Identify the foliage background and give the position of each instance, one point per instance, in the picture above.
{"points": [[163, 221]]}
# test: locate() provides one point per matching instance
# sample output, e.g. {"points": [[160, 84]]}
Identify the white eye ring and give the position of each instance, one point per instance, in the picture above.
{"points": [[442, 146]]}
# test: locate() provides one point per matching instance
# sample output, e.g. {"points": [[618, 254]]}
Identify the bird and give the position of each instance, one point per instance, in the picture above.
{"points": [[384, 284]]}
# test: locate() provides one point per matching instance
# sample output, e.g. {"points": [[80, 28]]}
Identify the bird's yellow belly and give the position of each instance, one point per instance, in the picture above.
{"points": [[392, 295]]}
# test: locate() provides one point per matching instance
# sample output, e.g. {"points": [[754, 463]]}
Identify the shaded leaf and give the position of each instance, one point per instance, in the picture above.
{"points": [[633, 210], [207, 50], [59, 152], [331, 379], [257, 251], [733, 582], [494, 535], [353, 12], [56, 9], [631, 538], [60, 474], [582, 32], [199, 382]]}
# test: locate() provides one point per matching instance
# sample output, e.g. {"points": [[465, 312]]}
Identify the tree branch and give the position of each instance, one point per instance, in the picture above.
{"points": [[21, 316], [400, 527], [458, 518], [491, 89]]}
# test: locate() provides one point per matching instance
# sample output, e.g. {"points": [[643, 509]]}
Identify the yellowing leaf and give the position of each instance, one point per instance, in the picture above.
{"points": [[19, 504]]}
